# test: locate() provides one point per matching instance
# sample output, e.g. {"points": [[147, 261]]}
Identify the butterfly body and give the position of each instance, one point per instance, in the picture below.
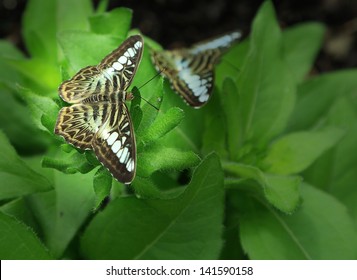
{"points": [[99, 119], [191, 70]]}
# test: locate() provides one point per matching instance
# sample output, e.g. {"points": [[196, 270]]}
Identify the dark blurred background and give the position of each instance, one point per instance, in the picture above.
{"points": [[176, 23]]}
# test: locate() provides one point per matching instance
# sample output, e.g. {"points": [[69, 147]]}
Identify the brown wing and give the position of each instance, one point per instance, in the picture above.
{"points": [[78, 123], [114, 144], [191, 76], [112, 75]]}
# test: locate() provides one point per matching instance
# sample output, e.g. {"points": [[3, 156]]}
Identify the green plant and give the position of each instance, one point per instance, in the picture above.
{"points": [[272, 153]]}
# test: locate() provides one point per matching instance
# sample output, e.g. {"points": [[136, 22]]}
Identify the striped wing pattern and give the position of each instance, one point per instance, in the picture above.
{"points": [[99, 119], [191, 71]]}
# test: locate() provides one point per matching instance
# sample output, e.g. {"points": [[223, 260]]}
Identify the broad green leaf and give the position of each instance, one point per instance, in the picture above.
{"points": [[19, 242], [116, 22], [17, 125], [215, 128], [41, 28], [63, 211], [301, 44], [232, 248], [163, 124], [145, 188], [321, 229], [17, 179], [231, 63], [341, 161], [9, 76], [158, 158], [68, 162], [40, 76], [316, 96], [130, 228], [43, 110], [84, 48], [19, 209], [233, 112], [294, 152], [8, 50], [281, 191], [188, 134], [102, 183], [266, 87]]}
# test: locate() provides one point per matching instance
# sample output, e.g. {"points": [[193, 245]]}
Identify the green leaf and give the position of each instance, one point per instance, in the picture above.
{"points": [[233, 112], [231, 64], [84, 48], [316, 96], [40, 29], [69, 162], [43, 110], [341, 161], [321, 229], [188, 134], [266, 87], [19, 242], [163, 158], [163, 124], [41, 76], [63, 211], [9, 76], [17, 178], [18, 126], [116, 22], [215, 133], [301, 44], [102, 183], [281, 191], [130, 228], [294, 152]]}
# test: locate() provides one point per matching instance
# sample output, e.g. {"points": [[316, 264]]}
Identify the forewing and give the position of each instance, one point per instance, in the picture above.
{"points": [[114, 144], [191, 76], [221, 43], [113, 74], [78, 123], [191, 71], [120, 65]]}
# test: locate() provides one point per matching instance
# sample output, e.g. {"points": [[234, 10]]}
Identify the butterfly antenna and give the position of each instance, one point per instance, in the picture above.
{"points": [[148, 81], [150, 103]]}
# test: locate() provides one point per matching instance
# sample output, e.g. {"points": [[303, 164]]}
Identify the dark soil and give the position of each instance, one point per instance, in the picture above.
{"points": [[182, 22]]}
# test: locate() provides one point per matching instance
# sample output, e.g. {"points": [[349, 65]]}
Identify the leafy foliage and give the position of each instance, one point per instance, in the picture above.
{"points": [[266, 170]]}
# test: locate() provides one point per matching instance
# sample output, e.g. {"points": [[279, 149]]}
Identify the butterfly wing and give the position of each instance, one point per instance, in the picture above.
{"points": [[113, 74], [220, 43], [191, 76], [120, 65], [114, 144], [99, 119], [191, 71], [78, 123]]}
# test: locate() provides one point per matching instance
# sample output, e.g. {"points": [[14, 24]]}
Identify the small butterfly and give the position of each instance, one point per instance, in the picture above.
{"points": [[99, 119], [190, 71]]}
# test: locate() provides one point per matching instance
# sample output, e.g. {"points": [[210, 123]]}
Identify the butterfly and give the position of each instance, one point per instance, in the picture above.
{"points": [[99, 119], [190, 70]]}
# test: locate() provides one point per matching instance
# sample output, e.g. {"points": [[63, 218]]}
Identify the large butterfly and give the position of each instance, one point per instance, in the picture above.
{"points": [[191, 71], [99, 120]]}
